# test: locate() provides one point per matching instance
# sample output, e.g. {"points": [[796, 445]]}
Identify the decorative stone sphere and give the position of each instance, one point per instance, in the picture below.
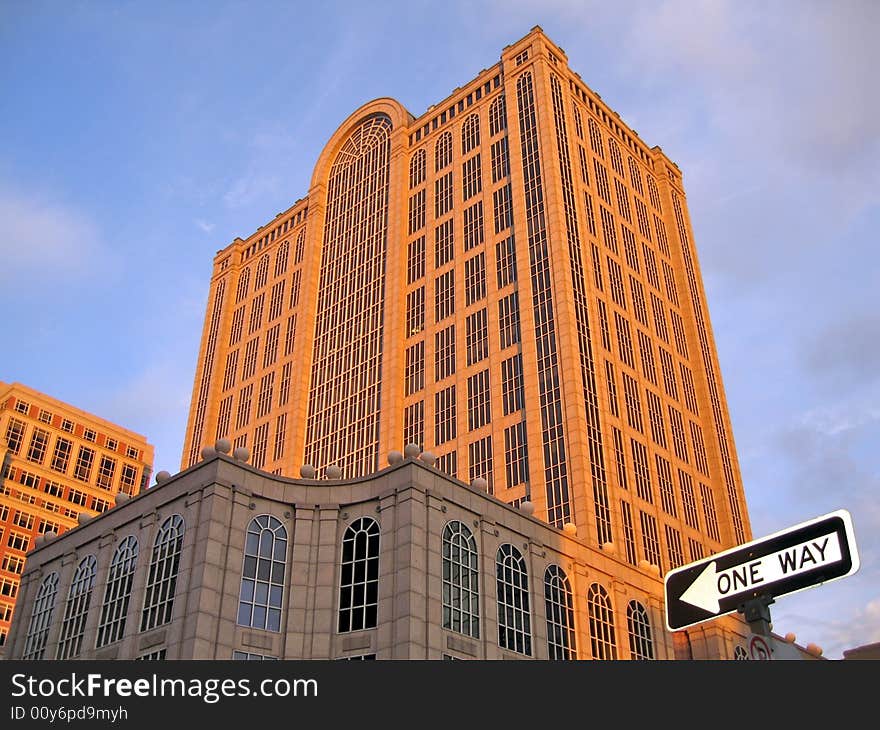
{"points": [[83, 517], [307, 471], [223, 446], [394, 457], [39, 540], [411, 451], [122, 498], [208, 452], [655, 569], [428, 458], [480, 484], [525, 507], [644, 564], [333, 472], [608, 547], [790, 637], [814, 649], [570, 528], [49, 535], [241, 454], [162, 476]]}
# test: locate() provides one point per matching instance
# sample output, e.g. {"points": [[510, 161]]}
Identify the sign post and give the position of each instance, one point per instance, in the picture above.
{"points": [[747, 578]]}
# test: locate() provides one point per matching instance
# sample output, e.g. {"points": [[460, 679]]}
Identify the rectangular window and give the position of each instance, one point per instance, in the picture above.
{"points": [[505, 258], [641, 472], [668, 367], [270, 348], [78, 497], [479, 405], [477, 336], [678, 439], [444, 415], [414, 424], [90, 435], [612, 389], [223, 416], [280, 433], [480, 462], [659, 312], [619, 458], [624, 340], [638, 297], [669, 280], [415, 260], [508, 320], [39, 444], [499, 160], [646, 353], [655, 416], [615, 278], [290, 335], [475, 279], [686, 487], [284, 384], [603, 325], [249, 367], [84, 460], [417, 211], [442, 195], [629, 536], [709, 515], [14, 435], [261, 438], [444, 353], [128, 478], [414, 373], [448, 464], [106, 472], [473, 225], [687, 383], [231, 370], [264, 400], [502, 207], [444, 296], [650, 540], [667, 489], [678, 332], [633, 402], [471, 177], [415, 311], [444, 244], [256, 318], [244, 406], [512, 397], [516, 455]]}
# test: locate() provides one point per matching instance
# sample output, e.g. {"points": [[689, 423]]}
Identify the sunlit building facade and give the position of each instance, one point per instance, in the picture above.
{"points": [[58, 462], [508, 281]]}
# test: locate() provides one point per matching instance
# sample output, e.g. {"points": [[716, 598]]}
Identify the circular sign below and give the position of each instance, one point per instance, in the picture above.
{"points": [[759, 648]]}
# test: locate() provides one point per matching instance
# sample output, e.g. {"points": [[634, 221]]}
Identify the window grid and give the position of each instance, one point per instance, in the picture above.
{"points": [[461, 575], [262, 575], [559, 603], [77, 608], [641, 642], [359, 580], [117, 594], [601, 623], [514, 626], [162, 574], [41, 618]]}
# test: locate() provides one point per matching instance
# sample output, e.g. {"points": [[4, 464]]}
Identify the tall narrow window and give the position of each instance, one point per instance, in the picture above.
{"points": [[162, 575], [77, 608], [41, 618], [461, 576], [641, 644], [262, 576], [514, 625], [559, 603], [601, 623], [359, 582], [118, 592]]}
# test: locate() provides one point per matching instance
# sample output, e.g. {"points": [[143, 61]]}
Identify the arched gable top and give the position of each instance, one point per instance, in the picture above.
{"points": [[400, 119]]}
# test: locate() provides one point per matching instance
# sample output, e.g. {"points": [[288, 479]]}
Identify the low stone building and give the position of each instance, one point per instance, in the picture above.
{"points": [[225, 561]]}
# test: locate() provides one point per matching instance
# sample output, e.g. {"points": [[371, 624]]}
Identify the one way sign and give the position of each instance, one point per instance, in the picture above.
{"points": [[799, 557]]}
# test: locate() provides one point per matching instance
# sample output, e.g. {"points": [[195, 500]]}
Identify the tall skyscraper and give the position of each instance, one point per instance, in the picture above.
{"points": [[57, 462], [510, 281]]}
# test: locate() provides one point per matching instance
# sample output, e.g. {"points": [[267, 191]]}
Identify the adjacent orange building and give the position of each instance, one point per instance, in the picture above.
{"points": [[509, 281], [57, 462]]}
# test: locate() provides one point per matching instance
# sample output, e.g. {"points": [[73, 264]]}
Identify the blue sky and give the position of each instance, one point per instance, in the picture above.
{"points": [[138, 138]]}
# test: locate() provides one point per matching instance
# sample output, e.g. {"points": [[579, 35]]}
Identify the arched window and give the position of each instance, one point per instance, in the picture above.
{"points": [[41, 618], [616, 161], [300, 246], [641, 643], [77, 608], [497, 116], [601, 623], [359, 581], [281, 258], [443, 151], [559, 603], [162, 575], [118, 592], [244, 281], [512, 580], [461, 574], [470, 134], [740, 654], [417, 169], [596, 138], [262, 576], [262, 272]]}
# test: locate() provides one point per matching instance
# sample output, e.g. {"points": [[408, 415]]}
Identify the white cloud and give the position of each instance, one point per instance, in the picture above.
{"points": [[40, 233], [204, 225]]}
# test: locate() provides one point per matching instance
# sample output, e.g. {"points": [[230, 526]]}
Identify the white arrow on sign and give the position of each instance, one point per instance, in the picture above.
{"points": [[712, 585]]}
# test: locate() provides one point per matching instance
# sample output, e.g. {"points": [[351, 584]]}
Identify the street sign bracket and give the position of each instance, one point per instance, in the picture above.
{"points": [[756, 612]]}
